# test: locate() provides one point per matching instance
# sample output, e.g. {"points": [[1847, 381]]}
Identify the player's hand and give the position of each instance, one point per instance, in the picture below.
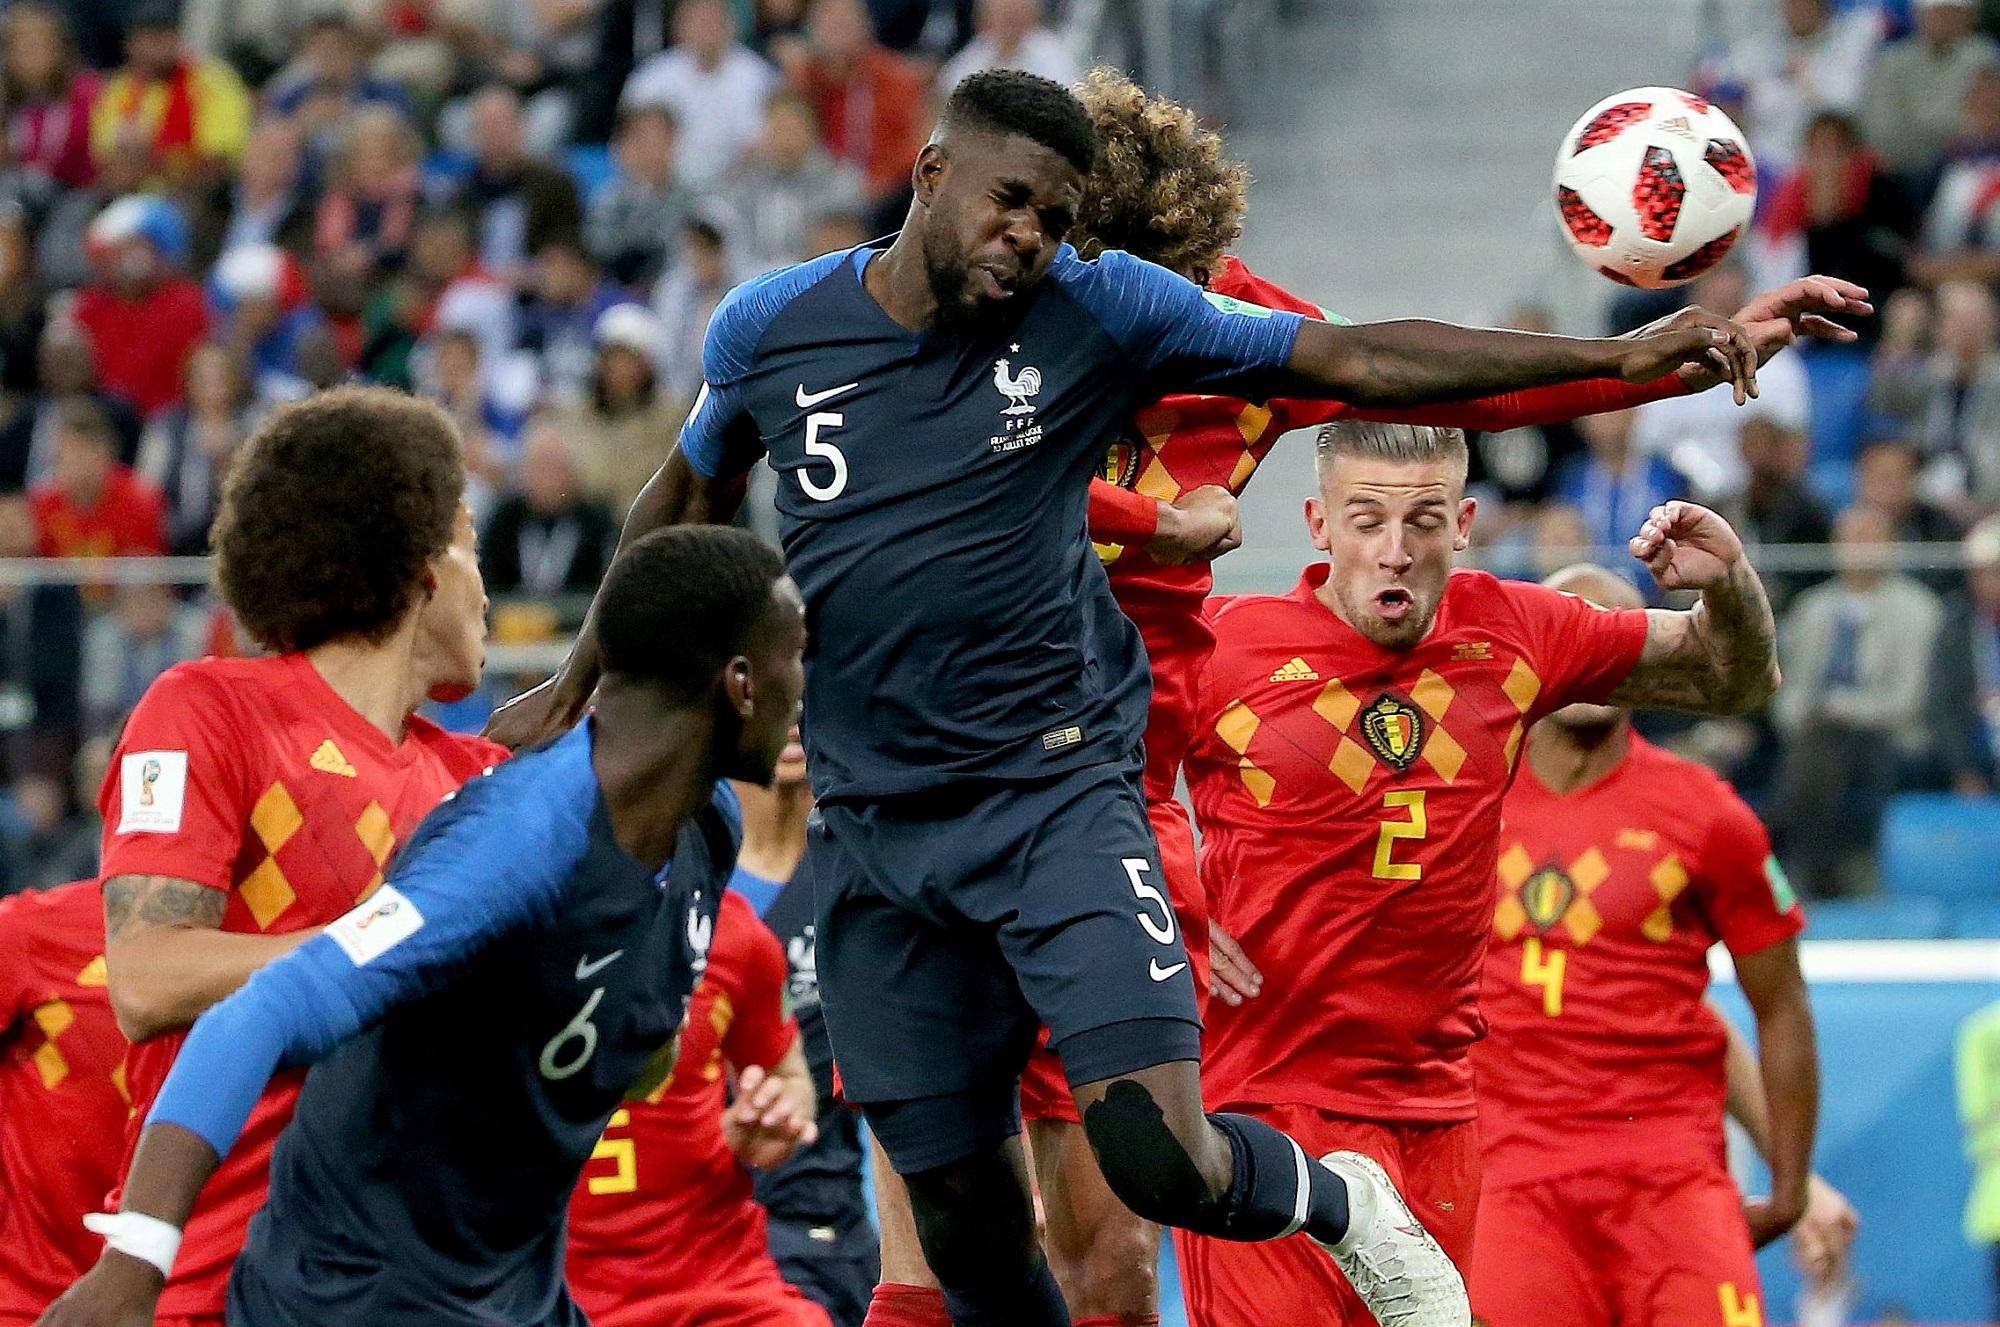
{"points": [[1777, 318], [1768, 1219], [1232, 977], [120, 1291], [1198, 528], [767, 1122], [1693, 337], [536, 715], [1687, 547], [1824, 1236]]}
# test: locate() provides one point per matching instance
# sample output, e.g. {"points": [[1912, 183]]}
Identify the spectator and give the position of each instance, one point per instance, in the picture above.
{"points": [[1516, 469], [1560, 536], [631, 225], [373, 190], [191, 115], [519, 203], [686, 299], [548, 539], [786, 186], [1776, 506], [50, 837], [1965, 680], [629, 33], [450, 287], [256, 293], [870, 101], [622, 432], [928, 30], [1899, 374], [60, 247], [187, 449], [1699, 437], [834, 232], [1885, 477], [715, 86], [451, 373], [23, 303], [1961, 228], [559, 320], [142, 316], [1852, 709], [1614, 485], [1837, 215], [776, 26], [94, 506], [1958, 433], [1917, 91], [67, 368], [49, 97], [266, 202], [146, 632], [1819, 61], [1013, 34], [329, 81]]}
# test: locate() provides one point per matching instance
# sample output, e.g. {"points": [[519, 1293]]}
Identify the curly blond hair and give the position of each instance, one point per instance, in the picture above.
{"points": [[1162, 188]]}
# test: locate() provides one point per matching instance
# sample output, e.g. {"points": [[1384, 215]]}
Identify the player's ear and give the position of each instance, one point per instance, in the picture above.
{"points": [[738, 690], [1316, 524], [1467, 509], [928, 173]]}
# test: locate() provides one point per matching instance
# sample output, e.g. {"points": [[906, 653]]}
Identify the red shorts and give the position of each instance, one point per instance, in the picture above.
{"points": [[1044, 1089], [1654, 1249], [1434, 1166]]}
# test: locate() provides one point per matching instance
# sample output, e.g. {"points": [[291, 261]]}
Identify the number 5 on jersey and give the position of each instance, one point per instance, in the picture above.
{"points": [[826, 451]]}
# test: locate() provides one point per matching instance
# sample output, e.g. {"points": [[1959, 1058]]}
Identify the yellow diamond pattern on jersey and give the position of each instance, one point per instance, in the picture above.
{"points": [[1514, 868], [54, 1019], [1587, 872], [1521, 687], [274, 819], [93, 973], [1236, 727], [377, 835], [1669, 878], [1434, 696], [1157, 482]]}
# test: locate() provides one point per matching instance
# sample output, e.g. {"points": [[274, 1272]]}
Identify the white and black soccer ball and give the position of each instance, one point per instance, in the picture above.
{"points": [[1654, 186]]}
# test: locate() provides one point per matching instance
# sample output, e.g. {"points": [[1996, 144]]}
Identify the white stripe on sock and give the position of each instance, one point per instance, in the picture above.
{"points": [[1303, 1199]]}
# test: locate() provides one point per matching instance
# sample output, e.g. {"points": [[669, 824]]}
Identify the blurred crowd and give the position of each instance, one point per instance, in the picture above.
{"points": [[524, 209], [1876, 130]]}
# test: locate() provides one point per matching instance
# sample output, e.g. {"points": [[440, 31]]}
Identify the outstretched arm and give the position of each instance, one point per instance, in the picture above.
{"points": [[1788, 1062], [1719, 657]]}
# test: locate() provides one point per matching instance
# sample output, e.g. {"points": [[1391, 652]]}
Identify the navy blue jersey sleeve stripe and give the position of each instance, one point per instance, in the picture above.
{"points": [[494, 859], [1171, 329]]}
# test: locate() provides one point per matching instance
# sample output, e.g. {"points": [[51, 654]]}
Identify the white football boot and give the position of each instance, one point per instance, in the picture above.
{"points": [[1399, 1271]]}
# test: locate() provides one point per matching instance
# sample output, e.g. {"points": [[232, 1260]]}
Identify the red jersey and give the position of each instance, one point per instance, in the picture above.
{"points": [[1601, 1051], [253, 777], [143, 344], [128, 520], [62, 1093], [1349, 800], [1187, 442], [663, 1228]]}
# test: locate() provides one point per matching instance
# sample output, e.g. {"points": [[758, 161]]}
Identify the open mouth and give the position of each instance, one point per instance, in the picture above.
{"points": [[1394, 603], [994, 284]]}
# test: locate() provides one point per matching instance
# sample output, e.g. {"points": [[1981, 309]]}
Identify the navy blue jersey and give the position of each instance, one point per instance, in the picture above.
{"points": [[474, 1023], [932, 496], [820, 1186]]}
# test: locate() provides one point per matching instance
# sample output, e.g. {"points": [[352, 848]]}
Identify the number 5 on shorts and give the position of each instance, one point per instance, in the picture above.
{"points": [[1162, 931]]}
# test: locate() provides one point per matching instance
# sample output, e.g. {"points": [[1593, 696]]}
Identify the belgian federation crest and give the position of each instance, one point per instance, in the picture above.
{"points": [[1546, 896], [1121, 464], [1395, 729]]}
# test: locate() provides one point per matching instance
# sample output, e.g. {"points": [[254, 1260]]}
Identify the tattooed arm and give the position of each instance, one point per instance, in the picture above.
{"points": [[167, 959], [1721, 656]]}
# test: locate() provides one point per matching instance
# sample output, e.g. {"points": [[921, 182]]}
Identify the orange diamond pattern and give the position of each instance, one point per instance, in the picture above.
{"points": [[94, 973], [54, 1019], [1351, 763], [1515, 867], [1236, 727], [1669, 879], [1157, 482], [1434, 696], [265, 890], [377, 835], [1252, 422]]}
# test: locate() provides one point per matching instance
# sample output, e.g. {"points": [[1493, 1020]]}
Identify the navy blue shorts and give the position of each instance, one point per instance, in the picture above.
{"points": [[835, 1270], [953, 926]]}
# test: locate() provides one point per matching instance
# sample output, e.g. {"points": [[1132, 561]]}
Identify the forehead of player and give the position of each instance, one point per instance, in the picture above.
{"points": [[994, 174], [1364, 489]]}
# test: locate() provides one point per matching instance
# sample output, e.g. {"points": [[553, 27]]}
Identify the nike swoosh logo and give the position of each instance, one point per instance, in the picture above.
{"points": [[585, 969], [1163, 974], [808, 399]]}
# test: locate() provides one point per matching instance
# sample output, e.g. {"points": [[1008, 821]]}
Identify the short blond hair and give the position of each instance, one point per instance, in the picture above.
{"points": [[1380, 441]]}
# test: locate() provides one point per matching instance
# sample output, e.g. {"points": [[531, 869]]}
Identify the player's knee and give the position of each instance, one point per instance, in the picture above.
{"points": [[975, 1222], [1113, 1270], [1153, 1170]]}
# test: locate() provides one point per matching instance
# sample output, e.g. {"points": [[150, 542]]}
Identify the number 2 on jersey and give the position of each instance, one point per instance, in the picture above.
{"points": [[826, 451], [1417, 827]]}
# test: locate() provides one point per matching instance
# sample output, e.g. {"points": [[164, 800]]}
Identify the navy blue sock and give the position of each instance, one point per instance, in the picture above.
{"points": [[1038, 1302], [1276, 1189]]}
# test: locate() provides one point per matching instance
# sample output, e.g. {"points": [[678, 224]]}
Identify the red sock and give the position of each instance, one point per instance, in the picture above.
{"points": [[1121, 1320], [908, 1306]]}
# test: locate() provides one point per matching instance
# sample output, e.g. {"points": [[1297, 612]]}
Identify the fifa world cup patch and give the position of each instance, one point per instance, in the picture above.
{"points": [[1061, 738], [1395, 729], [152, 792], [375, 926]]}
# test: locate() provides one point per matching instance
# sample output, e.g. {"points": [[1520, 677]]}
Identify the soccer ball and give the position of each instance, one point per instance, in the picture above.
{"points": [[1653, 186]]}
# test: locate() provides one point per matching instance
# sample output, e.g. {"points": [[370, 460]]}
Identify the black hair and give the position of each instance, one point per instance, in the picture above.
{"points": [[684, 601], [1008, 101]]}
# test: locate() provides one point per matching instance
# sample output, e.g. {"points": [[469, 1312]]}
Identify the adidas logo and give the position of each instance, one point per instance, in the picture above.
{"points": [[1298, 670], [328, 760]]}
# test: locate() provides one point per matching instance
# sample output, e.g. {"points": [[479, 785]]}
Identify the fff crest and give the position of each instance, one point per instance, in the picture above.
{"points": [[1395, 729]]}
